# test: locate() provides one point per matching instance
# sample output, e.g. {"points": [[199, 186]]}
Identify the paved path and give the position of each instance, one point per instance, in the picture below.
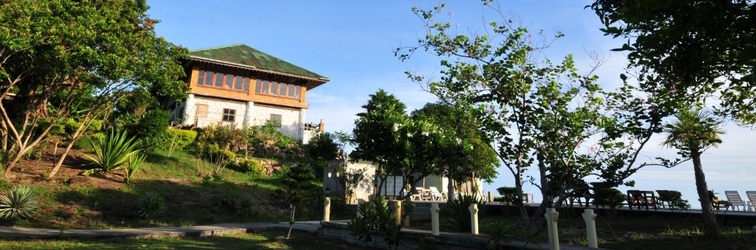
{"points": [[193, 231]]}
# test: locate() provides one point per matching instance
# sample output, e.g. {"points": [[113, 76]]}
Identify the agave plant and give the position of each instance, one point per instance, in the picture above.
{"points": [[149, 205], [134, 164], [18, 203], [247, 204], [112, 152]]}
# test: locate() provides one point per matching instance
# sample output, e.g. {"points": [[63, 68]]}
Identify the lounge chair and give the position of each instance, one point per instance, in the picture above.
{"points": [[752, 197], [435, 194], [733, 197], [418, 194]]}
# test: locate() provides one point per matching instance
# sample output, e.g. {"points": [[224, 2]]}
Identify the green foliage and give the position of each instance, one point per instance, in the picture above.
{"points": [[457, 211], [674, 199], [133, 166], [19, 202], [247, 204], [177, 139], [246, 165], [302, 187], [322, 146], [509, 193], [500, 233], [149, 205], [608, 197], [376, 217], [692, 133], [427, 242], [260, 141], [112, 152], [152, 127]]}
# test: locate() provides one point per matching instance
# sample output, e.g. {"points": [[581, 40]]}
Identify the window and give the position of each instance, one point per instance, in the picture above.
{"points": [[245, 83], [265, 87], [291, 91], [229, 115], [201, 111], [297, 92], [275, 120], [238, 83], [201, 78], [229, 81], [218, 80], [274, 88]]}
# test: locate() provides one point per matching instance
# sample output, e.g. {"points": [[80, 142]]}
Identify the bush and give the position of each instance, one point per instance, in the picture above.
{"points": [[149, 205], [608, 197], [508, 194], [213, 153], [112, 152], [177, 139], [250, 166], [18, 203], [133, 166], [457, 211], [152, 127]]}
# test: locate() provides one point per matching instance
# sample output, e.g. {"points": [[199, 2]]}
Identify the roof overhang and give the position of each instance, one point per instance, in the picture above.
{"points": [[312, 82]]}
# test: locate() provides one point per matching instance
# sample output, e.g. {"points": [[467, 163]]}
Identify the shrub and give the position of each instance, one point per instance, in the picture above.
{"points": [[457, 211], [152, 127], [149, 205], [245, 165], [112, 152], [376, 214], [18, 203], [508, 193], [177, 138], [608, 197], [247, 204], [134, 164]]}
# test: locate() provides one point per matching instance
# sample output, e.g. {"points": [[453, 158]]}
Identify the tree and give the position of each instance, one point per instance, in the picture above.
{"points": [[691, 134], [692, 50], [59, 53], [534, 112], [322, 146], [468, 159]]}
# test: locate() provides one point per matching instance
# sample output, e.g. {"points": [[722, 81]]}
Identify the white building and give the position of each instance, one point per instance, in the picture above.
{"points": [[240, 86]]}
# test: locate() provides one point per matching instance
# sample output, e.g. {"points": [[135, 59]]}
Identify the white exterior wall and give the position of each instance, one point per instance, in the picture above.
{"points": [[291, 124], [365, 189], [247, 114]]}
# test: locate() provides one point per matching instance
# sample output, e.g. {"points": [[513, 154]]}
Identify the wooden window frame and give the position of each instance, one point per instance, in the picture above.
{"points": [[229, 115], [198, 108], [276, 120]]}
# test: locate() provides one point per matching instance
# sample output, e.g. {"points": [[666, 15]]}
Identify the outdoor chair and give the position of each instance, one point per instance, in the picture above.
{"points": [[418, 195], [733, 197], [752, 197], [435, 194]]}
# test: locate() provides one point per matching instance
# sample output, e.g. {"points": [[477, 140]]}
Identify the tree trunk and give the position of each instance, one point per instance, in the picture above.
{"points": [[16, 158], [451, 193], [711, 228]]}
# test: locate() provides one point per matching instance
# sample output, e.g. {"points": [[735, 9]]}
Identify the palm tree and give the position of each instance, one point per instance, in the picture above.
{"points": [[693, 133]]}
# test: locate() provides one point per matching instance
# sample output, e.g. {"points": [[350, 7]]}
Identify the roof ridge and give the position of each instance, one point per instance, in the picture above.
{"points": [[220, 47]]}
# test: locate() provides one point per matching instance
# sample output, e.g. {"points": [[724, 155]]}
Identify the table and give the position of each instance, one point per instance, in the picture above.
{"points": [[641, 198]]}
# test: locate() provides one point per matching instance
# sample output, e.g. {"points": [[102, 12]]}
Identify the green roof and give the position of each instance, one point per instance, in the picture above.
{"points": [[244, 55]]}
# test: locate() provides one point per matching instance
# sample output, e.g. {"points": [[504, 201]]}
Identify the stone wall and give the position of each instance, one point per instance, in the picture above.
{"points": [[410, 238]]}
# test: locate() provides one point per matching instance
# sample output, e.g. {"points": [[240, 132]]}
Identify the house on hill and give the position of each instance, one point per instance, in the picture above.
{"points": [[240, 86]]}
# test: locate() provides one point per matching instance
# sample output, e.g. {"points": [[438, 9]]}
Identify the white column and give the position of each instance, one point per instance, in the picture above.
{"points": [[590, 225], [300, 130], [327, 209], [474, 218], [190, 110], [249, 114], [552, 216], [434, 219]]}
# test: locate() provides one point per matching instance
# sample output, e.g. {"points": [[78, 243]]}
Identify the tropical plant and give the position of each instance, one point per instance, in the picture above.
{"points": [[247, 204], [693, 133], [133, 166], [19, 202], [376, 217], [608, 197], [457, 211], [500, 233], [149, 205], [112, 152]]}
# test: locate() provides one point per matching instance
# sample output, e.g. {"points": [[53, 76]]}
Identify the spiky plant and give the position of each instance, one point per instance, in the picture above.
{"points": [[247, 204], [134, 164], [18, 202], [149, 205], [112, 151]]}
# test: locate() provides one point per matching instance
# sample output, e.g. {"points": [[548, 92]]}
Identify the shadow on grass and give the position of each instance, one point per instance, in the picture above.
{"points": [[184, 203]]}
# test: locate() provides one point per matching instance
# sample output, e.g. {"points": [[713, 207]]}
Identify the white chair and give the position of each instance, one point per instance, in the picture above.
{"points": [[733, 197], [418, 194], [435, 194], [752, 197]]}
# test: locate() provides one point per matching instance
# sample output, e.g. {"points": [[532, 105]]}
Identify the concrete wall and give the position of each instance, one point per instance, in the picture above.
{"points": [[410, 239], [365, 189]]}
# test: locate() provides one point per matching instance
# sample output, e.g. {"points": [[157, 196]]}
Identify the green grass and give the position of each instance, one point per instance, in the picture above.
{"points": [[261, 240]]}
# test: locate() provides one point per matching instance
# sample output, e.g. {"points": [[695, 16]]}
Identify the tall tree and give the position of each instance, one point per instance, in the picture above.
{"points": [[62, 48], [691, 49], [691, 134], [535, 112], [469, 157]]}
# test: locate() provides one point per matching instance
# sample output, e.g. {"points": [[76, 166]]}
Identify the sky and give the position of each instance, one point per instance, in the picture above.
{"points": [[352, 43]]}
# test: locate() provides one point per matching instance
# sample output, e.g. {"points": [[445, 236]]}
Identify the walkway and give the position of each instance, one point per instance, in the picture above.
{"points": [[193, 231]]}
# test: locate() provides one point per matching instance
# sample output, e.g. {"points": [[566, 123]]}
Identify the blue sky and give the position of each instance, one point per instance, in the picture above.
{"points": [[352, 42]]}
